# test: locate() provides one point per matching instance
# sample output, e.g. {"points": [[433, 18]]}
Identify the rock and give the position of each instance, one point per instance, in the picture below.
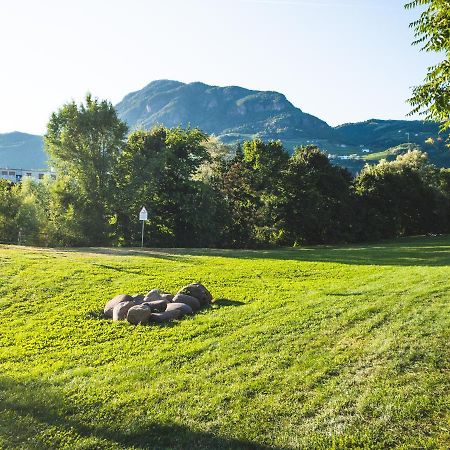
{"points": [[154, 294], [167, 297], [199, 292], [156, 305], [138, 298], [108, 310], [182, 307], [120, 311], [188, 300], [165, 316], [139, 314]]}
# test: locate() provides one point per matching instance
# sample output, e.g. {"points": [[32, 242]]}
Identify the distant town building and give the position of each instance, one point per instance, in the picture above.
{"points": [[16, 175]]}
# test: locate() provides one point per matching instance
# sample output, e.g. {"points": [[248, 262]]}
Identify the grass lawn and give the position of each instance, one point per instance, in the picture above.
{"points": [[316, 348]]}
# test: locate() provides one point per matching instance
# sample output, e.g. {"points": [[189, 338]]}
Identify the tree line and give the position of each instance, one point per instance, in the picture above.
{"points": [[201, 193]]}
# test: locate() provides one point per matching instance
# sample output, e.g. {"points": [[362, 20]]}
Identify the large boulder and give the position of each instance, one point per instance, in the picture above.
{"points": [[138, 298], [182, 307], [108, 310], [188, 300], [165, 316], [154, 294], [167, 297], [156, 305], [199, 292], [139, 314], [120, 311]]}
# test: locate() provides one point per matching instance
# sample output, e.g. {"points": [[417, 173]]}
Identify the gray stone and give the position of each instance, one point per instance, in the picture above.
{"points": [[108, 310], [167, 297], [188, 300], [154, 294], [138, 298], [156, 305], [199, 292], [120, 311], [165, 316], [139, 314], [182, 307]]}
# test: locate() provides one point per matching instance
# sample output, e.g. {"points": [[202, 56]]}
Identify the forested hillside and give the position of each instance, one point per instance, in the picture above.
{"points": [[234, 114]]}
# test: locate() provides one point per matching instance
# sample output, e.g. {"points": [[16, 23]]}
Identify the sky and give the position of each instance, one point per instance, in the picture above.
{"points": [[341, 60]]}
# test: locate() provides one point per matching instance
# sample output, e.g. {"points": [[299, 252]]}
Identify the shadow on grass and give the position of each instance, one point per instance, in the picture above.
{"points": [[162, 253], [34, 409], [96, 314], [224, 302], [418, 251]]}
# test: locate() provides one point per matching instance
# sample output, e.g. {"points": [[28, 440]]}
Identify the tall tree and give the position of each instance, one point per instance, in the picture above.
{"points": [[432, 33], [314, 204], [84, 142], [158, 169], [402, 197], [266, 159], [9, 210]]}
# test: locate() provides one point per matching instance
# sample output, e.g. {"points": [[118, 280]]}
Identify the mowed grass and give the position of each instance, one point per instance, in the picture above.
{"points": [[315, 348]]}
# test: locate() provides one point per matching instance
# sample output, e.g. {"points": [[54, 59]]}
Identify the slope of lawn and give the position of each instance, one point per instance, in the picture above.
{"points": [[315, 348]]}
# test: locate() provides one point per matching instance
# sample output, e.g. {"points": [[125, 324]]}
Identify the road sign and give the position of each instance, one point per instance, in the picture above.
{"points": [[143, 214]]}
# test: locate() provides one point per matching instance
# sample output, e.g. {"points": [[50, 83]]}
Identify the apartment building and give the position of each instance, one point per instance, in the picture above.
{"points": [[16, 175]]}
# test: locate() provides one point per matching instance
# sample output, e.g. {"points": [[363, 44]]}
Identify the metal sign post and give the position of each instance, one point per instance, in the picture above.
{"points": [[143, 215]]}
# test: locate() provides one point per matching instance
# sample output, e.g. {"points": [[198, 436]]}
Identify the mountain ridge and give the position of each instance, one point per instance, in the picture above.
{"points": [[20, 150], [234, 114], [228, 112]]}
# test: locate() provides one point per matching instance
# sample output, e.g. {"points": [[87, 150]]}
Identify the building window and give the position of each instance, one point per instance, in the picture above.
{"points": [[41, 176], [28, 174], [11, 173], [4, 172]]}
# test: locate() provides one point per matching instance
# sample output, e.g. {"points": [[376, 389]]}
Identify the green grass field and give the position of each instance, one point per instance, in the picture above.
{"points": [[315, 348]]}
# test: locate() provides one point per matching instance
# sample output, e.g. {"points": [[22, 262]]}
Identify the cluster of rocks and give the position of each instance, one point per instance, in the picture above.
{"points": [[158, 306]]}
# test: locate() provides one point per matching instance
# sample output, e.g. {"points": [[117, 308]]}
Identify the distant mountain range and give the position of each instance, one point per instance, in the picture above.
{"points": [[231, 113], [22, 150], [235, 114]]}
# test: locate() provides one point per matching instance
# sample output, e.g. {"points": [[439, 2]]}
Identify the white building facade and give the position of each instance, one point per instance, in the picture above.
{"points": [[17, 175]]}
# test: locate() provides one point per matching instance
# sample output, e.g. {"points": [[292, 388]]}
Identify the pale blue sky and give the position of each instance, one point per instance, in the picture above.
{"points": [[342, 60]]}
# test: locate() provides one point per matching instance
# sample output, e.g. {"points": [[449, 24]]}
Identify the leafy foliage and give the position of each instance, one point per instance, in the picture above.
{"points": [[202, 193], [157, 169], [432, 33], [402, 197], [315, 201], [84, 142]]}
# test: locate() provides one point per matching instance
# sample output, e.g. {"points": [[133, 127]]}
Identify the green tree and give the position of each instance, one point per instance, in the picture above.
{"points": [[240, 203], [67, 213], [432, 33], [22, 214], [159, 169], [266, 159], [402, 197], [314, 205], [84, 142], [9, 209]]}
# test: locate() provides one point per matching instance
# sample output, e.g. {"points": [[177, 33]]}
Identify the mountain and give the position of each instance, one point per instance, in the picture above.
{"points": [[438, 154], [231, 113], [381, 134], [234, 114], [22, 151]]}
